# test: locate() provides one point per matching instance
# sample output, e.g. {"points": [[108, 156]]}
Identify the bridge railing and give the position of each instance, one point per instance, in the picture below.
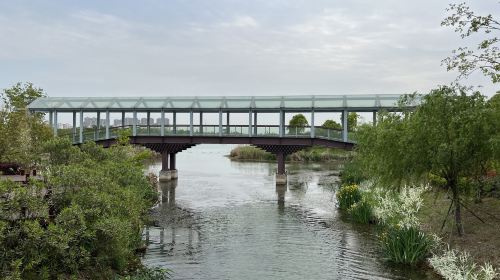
{"points": [[95, 134]]}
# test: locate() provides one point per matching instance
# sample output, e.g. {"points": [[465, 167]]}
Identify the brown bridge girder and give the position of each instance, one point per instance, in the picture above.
{"points": [[285, 149], [174, 144], [170, 148]]}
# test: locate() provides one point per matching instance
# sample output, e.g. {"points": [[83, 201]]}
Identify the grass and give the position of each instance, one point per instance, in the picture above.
{"points": [[481, 240], [313, 154]]}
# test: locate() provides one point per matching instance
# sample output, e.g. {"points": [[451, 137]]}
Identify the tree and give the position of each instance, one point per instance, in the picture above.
{"points": [[494, 105], [83, 221], [22, 132], [352, 121], [486, 56], [447, 135], [331, 124], [297, 123]]}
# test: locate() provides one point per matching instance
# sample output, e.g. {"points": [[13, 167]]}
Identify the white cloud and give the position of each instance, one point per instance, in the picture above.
{"points": [[383, 48], [241, 22]]}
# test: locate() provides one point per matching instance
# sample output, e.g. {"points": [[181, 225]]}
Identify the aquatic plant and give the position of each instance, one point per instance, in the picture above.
{"points": [[361, 212], [406, 245], [347, 196], [455, 265], [399, 208]]}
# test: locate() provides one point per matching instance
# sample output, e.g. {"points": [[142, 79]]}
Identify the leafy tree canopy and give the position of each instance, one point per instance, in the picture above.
{"points": [[448, 135], [352, 121], [331, 124], [298, 120], [21, 131], [486, 56]]}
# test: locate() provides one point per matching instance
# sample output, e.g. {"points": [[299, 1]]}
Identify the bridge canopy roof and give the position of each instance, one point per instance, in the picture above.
{"points": [[208, 103]]}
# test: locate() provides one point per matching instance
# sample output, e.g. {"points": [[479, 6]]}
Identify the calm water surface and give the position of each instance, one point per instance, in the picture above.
{"points": [[228, 220]]}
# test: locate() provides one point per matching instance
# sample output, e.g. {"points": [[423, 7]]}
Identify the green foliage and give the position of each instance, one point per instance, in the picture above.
{"points": [[89, 222], [362, 211], [405, 245], [347, 196], [250, 153], [352, 173], [21, 131], [146, 273], [486, 56], [352, 121], [331, 124], [298, 120], [297, 124], [448, 135]]}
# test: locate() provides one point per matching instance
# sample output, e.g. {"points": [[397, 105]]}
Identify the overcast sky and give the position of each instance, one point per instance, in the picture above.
{"points": [[229, 47]]}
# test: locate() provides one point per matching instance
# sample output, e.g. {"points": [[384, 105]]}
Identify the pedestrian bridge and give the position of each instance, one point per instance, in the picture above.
{"points": [[168, 136]]}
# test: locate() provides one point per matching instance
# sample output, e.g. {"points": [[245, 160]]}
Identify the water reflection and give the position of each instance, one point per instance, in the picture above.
{"points": [[167, 189], [280, 193]]}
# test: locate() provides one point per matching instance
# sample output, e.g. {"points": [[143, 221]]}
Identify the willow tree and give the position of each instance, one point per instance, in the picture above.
{"points": [[447, 135]]}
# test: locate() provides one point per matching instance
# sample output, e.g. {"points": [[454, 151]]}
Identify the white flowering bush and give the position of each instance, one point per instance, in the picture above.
{"points": [[399, 209], [455, 265]]}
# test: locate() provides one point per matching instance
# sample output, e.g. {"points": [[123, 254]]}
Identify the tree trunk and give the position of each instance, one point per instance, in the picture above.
{"points": [[456, 202]]}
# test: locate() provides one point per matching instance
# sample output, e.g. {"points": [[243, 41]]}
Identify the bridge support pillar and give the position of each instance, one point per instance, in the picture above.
{"points": [[165, 174], [173, 171], [281, 174], [281, 151]]}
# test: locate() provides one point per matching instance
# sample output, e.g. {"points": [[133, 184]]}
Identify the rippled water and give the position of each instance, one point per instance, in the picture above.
{"points": [[228, 220]]}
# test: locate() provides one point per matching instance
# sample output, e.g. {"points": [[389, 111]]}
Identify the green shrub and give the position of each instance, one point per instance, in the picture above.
{"points": [[146, 273], [250, 153], [89, 224], [361, 212], [352, 173], [405, 245], [347, 196]]}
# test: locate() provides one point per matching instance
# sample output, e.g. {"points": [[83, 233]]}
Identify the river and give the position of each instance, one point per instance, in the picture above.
{"points": [[227, 220]]}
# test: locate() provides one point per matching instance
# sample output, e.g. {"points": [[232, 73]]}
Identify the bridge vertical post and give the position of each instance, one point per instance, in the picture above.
{"points": [[173, 170], [220, 122], [282, 123], [55, 123], [191, 123], [281, 174], [81, 126], [165, 171], [74, 127], [201, 122], [123, 118], [312, 124], [98, 126], [134, 123], [108, 122], [162, 123], [228, 128], [250, 123], [345, 115], [148, 122], [255, 123], [374, 118], [174, 122]]}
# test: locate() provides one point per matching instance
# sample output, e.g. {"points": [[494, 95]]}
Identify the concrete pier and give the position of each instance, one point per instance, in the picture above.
{"points": [[165, 175], [281, 179]]}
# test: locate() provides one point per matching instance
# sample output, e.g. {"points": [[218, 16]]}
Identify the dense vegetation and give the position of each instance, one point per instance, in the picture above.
{"points": [[448, 136], [85, 218], [312, 154]]}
